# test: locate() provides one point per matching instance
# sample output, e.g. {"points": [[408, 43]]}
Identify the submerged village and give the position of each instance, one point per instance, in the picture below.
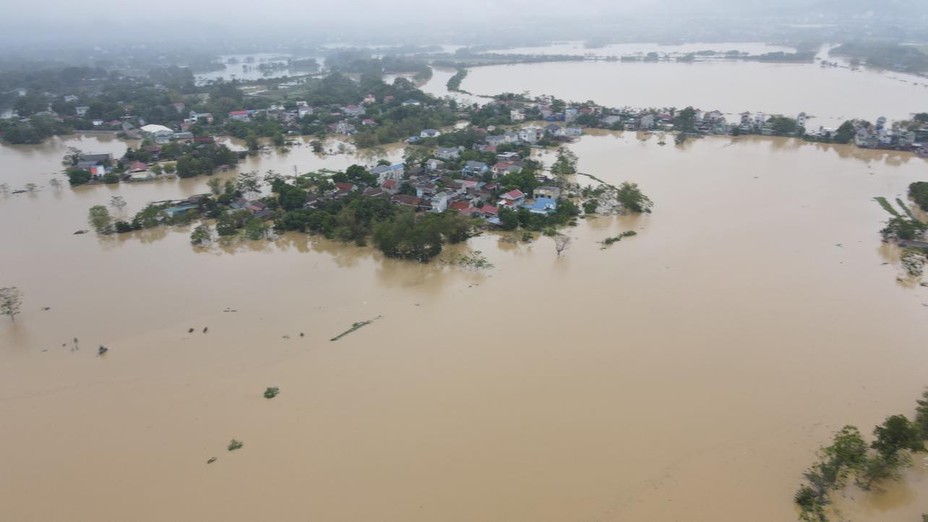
{"points": [[466, 168], [209, 240]]}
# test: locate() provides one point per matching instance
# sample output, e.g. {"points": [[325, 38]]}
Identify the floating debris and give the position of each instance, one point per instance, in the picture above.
{"points": [[271, 392], [355, 327], [79, 232], [234, 445], [102, 350], [190, 330], [301, 334], [211, 460], [205, 329]]}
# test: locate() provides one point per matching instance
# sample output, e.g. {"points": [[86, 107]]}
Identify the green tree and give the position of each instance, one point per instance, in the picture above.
{"points": [[685, 120], [565, 164], [289, 197], [783, 126], [508, 218], [811, 504], [918, 191], [847, 453], [879, 468], [226, 224], [921, 415], [100, 219], [201, 235], [229, 223], [631, 197], [251, 141], [896, 434], [405, 238], [255, 229], [11, 299], [845, 132], [78, 177], [149, 217], [215, 186]]}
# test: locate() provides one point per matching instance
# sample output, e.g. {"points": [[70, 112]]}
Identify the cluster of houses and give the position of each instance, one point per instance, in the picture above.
{"points": [[472, 191], [881, 136], [898, 136], [99, 165]]}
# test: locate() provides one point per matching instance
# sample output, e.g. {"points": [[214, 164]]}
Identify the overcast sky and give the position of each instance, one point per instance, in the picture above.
{"points": [[224, 12], [174, 20]]}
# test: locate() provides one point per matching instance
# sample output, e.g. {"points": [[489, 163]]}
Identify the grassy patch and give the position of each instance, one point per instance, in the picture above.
{"points": [[606, 243]]}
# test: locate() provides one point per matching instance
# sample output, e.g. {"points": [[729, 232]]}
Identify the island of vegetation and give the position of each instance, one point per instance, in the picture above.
{"points": [[869, 465], [907, 230]]}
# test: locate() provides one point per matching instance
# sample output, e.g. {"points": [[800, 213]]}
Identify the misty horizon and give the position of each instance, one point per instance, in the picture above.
{"points": [[212, 25]]}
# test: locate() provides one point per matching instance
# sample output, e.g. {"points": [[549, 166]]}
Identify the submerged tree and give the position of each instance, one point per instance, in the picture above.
{"points": [[118, 203], [631, 197], [100, 219], [561, 242], [565, 164], [921, 415], [11, 299], [215, 186], [201, 235]]}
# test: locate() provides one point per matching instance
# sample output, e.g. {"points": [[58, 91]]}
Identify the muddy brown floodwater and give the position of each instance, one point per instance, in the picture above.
{"points": [[687, 373], [829, 95]]}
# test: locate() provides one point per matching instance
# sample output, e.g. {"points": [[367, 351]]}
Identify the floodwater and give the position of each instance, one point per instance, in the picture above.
{"points": [[438, 86], [576, 48], [829, 95], [687, 373], [246, 71]]}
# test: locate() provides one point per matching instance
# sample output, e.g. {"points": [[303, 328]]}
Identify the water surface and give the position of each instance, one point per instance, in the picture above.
{"points": [[688, 373]]}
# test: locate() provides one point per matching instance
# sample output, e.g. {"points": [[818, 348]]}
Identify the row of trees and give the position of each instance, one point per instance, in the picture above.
{"points": [[850, 457]]}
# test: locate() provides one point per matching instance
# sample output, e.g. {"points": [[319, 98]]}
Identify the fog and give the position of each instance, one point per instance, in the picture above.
{"points": [[60, 24]]}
